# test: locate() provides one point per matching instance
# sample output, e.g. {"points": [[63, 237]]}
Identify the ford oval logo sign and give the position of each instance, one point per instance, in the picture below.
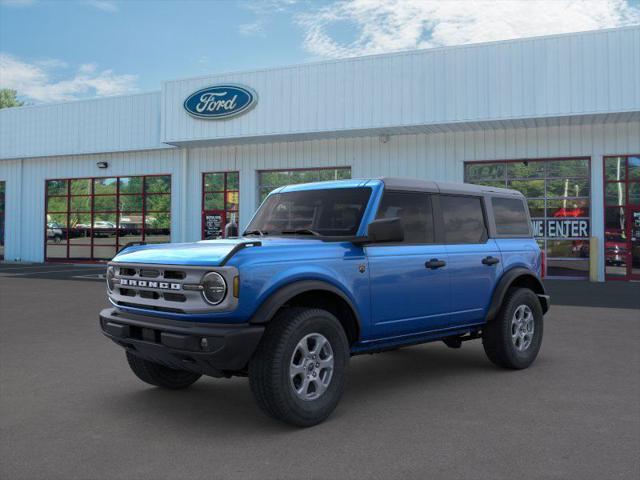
{"points": [[220, 101]]}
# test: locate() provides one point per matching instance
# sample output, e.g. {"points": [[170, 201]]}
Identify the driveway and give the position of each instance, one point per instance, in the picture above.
{"points": [[70, 407]]}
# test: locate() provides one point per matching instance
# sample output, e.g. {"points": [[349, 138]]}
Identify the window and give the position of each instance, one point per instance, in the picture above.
{"points": [[415, 211], [269, 180], [463, 219], [2, 210], [328, 212], [92, 218], [220, 204], [558, 192], [510, 216], [622, 217]]}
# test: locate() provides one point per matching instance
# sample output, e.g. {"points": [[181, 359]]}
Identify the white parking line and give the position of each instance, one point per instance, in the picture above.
{"points": [[44, 271]]}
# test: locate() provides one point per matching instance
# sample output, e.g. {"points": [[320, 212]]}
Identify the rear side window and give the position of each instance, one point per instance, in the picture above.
{"points": [[415, 211], [463, 219], [510, 216]]}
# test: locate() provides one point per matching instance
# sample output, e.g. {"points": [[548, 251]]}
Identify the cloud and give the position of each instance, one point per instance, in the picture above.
{"points": [[104, 5], [388, 25], [252, 29], [35, 81]]}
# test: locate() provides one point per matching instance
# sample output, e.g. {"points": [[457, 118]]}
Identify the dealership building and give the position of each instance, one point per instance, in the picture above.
{"points": [[555, 117]]}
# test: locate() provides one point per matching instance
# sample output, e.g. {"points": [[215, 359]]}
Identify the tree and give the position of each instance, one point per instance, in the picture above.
{"points": [[8, 98]]}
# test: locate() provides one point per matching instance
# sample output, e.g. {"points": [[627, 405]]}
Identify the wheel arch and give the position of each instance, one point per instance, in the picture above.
{"points": [[313, 294], [517, 277]]}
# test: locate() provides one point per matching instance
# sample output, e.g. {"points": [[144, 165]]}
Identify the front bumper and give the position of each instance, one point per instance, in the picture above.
{"points": [[210, 349]]}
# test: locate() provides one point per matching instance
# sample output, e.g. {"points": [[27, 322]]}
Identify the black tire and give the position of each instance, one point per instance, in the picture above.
{"points": [[497, 335], [269, 375], [159, 375]]}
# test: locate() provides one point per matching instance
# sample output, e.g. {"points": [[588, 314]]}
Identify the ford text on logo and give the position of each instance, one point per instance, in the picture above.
{"points": [[220, 101]]}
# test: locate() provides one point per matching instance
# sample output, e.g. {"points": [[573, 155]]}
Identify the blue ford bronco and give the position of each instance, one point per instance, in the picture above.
{"points": [[329, 270]]}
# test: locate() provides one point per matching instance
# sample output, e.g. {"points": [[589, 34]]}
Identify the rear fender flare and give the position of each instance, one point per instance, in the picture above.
{"points": [[518, 276]]}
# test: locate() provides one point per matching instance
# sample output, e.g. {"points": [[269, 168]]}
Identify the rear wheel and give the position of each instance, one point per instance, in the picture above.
{"points": [[298, 372], [513, 338], [159, 375]]}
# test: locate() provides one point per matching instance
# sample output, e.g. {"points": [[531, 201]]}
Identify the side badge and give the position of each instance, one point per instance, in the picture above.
{"points": [[362, 267]]}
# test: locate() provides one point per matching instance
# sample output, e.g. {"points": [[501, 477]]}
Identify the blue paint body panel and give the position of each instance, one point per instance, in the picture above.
{"points": [[396, 298]]}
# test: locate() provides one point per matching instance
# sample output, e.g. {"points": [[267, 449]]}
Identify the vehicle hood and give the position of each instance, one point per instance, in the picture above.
{"points": [[208, 252]]}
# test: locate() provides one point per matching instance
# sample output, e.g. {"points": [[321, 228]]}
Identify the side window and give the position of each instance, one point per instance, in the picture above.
{"points": [[415, 211], [510, 216], [463, 219]]}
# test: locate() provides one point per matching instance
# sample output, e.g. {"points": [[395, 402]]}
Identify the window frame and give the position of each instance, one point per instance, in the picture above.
{"points": [[435, 205], [117, 245], [544, 240], [492, 217], [3, 216], [225, 191], [483, 207], [626, 207]]}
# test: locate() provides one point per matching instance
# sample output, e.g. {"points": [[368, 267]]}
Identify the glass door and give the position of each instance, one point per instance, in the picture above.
{"points": [[634, 240], [622, 217], [220, 202]]}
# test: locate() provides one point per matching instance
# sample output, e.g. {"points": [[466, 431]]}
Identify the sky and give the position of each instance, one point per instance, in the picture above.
{"points": [[60, 50]]}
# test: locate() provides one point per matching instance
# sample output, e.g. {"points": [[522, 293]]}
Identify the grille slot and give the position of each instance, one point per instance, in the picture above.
{"points": [[127, 272], [174, 297], [149, 273], [127, 292], [149, 294], [174, 274]]}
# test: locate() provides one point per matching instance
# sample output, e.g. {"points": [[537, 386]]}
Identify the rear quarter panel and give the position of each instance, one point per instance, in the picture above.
{"points": [[520, 252]]}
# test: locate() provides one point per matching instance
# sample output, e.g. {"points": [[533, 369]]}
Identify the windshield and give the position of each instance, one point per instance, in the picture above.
{"points": [[328, 212]]}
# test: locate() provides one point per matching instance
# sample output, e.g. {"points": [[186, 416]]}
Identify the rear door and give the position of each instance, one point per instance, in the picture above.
{"points": [[409, 280], [474, 260]]}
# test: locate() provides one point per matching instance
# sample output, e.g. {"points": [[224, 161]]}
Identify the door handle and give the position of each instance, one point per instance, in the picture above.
{"points": [[490, 260], [435, 263]]}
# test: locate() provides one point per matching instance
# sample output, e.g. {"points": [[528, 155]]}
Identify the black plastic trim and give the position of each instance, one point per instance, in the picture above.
{"points": [[269, 307], [177, 344], [237, 248], [506, 281]]}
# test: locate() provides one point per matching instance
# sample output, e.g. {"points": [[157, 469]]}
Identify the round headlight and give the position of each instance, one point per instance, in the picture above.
{"points": [[111, 273], [214, 288]]}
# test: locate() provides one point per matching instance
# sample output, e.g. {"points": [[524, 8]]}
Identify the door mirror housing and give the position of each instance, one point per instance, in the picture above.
{"points": [[384, 230]]}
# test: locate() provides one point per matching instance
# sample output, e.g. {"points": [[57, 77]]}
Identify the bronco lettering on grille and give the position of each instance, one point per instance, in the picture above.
{"points": [[147, 284]]}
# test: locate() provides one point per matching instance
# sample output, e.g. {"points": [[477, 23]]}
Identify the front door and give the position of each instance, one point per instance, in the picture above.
{"points": [[213, 224], [409, 280]]}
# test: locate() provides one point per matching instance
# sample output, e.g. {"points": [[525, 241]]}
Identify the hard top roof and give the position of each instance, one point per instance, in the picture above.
{"points": [[402, 183]]}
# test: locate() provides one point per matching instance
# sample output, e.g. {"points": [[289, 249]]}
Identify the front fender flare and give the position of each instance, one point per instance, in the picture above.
{"points": [[267, 310], [508, 278]]}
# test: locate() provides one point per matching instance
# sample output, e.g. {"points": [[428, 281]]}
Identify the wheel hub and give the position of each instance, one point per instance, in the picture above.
{"points": [[311, 366], [522, 328]]}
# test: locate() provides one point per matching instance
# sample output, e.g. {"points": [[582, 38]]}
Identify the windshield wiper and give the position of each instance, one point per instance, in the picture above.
{"points": [[256, 232], [302, 231]]}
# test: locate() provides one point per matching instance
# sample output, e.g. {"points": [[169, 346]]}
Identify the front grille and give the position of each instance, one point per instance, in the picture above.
{"points": [[161, 288]]}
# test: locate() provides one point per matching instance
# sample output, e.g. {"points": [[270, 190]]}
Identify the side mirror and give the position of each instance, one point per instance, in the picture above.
{"points": [[384, 230]]}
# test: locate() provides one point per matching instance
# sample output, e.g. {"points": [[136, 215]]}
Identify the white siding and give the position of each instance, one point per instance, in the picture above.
{"points": [[438, 156], [25, 206], [90, 126], [548, 77]]}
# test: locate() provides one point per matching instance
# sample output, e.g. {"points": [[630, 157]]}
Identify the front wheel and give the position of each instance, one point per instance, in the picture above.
{"points": [[298, 372], [159, 375], [513, 338]]}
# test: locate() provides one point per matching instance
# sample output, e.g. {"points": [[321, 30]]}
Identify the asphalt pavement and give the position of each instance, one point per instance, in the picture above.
{"points": [[71, 409]]}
